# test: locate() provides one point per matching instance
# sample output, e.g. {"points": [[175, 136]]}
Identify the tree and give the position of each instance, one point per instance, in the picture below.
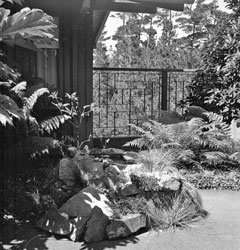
{"points": [[217, 87], [100, 56]]}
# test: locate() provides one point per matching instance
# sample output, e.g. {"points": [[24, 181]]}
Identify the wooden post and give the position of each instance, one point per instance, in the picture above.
{"points": [[76, 63], [164, 90]]}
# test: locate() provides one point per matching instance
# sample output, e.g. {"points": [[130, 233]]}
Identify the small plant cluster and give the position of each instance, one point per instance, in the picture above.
{"points": [[213, 180], [164, 211], [145, 183]]}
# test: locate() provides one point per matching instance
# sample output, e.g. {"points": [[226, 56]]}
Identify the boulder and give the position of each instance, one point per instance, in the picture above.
{"points": [[82, 203], [170, 179], [96, 229], [79, 226], [125, 226], [54, 222], [86, 164], [69, 172]]}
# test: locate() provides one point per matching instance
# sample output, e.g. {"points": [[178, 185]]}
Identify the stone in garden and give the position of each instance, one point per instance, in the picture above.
{"points": [[69, 172], [54, 222], [112, 152], [79, 226], [96, 228], [170, 179], [82, 203], [129, 189], [125, 226], [87, 164], [130, 157]]}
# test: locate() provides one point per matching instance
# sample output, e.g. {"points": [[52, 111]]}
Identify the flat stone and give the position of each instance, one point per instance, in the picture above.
{"points": [[82, 203], [54, 222], [79, 226], [130, 189], [170, 179], [112, 152], [96, 229], [125, 226]]}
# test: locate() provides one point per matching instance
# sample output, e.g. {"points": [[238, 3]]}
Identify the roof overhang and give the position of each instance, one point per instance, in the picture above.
{"points": [[102, 8]]}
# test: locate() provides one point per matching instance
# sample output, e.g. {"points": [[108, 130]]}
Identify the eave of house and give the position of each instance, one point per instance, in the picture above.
{"points": [[101, 8]]}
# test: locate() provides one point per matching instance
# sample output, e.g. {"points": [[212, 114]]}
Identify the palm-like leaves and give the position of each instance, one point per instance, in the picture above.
{"points": [[30, 26], [8, 110]]}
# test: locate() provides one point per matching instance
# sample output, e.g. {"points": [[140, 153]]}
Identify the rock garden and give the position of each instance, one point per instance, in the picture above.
{"points": [[102, 196]]}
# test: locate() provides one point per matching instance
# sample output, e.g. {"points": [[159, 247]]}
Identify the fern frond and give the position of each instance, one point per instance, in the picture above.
{"points": [[213, 117], [138, 129], [53, 123], [20, 87], [37, 145], [214, 157], [31, 101]]}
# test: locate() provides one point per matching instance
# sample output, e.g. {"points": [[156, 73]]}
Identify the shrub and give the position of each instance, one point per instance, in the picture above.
{"points": [[217, 87]]}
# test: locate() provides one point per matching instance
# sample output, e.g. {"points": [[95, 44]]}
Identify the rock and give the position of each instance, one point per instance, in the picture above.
{"points": [[128, 158], [87, 164], [71, 152], [112, 152], [79, 226], [54, 222], [96, 229], [133, 168], [129, 190], [170, 179], [69, 172], [125, 226], [169, 117], [82, 203]]}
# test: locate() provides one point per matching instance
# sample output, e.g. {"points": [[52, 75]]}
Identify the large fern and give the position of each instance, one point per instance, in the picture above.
{"points": [[38, 146], [53, 123], [195, 141]]}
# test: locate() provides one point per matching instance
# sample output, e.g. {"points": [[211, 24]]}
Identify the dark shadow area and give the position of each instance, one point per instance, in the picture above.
{"points": [[111, 244], [24, 236], [19, 236]]}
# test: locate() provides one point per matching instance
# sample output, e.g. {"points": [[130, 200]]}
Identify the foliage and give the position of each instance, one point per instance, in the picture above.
{"points": [[26, 27], [164, 211], [196, 142], [219, 180], [216, 88]]}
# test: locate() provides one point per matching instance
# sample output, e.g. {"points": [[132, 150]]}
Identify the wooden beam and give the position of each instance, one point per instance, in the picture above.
{"points": [[100, 27], [167, 1], [125, 7], [85, 8], [171, 6]]}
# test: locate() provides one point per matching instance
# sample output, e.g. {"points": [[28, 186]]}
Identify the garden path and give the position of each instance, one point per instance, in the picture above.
{"points": [[220, 231]]}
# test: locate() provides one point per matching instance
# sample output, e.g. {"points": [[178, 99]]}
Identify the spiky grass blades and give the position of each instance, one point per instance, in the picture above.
{"points": [[179, 209]]}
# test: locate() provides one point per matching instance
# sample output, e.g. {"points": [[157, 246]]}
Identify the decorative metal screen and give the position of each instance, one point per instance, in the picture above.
{"points": [[134, 95]]}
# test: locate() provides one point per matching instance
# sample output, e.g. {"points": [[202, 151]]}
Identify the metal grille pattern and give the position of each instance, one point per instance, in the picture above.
{"points": [[134, 95]]}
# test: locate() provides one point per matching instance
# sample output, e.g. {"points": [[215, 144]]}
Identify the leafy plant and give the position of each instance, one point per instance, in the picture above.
{"points": [[196, 142], [216, 88]]}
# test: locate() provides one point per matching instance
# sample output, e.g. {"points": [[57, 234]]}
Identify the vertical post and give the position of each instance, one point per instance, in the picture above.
{"points": [[164, 90]]}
